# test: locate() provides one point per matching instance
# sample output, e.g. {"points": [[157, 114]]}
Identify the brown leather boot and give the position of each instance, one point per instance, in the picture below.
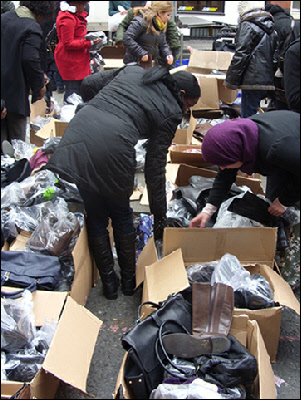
{"points": [[212, 311]]}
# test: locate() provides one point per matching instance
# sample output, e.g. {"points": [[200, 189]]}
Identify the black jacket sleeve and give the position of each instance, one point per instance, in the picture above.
{"points": [[31, 62], [155, 166], [221, 186]]}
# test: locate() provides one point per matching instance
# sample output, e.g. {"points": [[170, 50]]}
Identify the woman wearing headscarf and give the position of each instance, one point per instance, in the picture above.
{"points": [[97, 153], [268, 144]]}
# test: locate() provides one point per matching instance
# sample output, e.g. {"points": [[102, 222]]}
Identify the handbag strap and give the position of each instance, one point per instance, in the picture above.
{"points": [[151, 303], [160, 341], [18, 293]]}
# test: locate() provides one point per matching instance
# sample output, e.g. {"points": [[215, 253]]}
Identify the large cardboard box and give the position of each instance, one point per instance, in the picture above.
{"points": [[84, 271], [248, 333], [71, 349], [254, 248], [210, 68]]}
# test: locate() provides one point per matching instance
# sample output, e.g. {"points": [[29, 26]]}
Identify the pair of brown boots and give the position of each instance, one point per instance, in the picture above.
{"points": [[212, 311]]}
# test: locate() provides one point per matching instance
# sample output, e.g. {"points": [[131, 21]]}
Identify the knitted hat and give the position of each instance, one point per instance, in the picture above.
{"points": [[188, 82], [247, 6]]}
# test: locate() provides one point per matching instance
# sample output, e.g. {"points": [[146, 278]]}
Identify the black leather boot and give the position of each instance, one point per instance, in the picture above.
{"points": [[102, 254], [126, 251]]}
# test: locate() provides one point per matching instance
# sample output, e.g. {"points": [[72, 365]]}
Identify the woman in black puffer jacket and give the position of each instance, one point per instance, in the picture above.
{"points": [[255, 60], [145, 38], [97, 153]]}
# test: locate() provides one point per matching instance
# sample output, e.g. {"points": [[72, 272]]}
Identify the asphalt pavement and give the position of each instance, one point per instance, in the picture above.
{"points": [[120, 315]]}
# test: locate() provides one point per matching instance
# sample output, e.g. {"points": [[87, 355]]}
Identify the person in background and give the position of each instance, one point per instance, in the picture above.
{"points": [[97, 153], [7, 6], [255, 60], [145, 38], [292, 76], [171, 33], [268, 144], [71, 54], [288, 29], [21, 37], [113, 7]]}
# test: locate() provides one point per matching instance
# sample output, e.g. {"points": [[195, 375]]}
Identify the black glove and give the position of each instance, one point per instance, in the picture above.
{"points": [[159, 224]]}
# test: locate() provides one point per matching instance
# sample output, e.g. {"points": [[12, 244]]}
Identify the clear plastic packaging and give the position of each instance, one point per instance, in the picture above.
{"points": [[180, 212], [57, 232], [22, 149], [17, 323], [200, 272], [291, 216], [228, 219], [140, 149]]}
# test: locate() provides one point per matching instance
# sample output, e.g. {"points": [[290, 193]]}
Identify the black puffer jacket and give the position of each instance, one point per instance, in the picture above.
{"points": [[292, 76], [255, 60], [97, 150], [139, 43]]}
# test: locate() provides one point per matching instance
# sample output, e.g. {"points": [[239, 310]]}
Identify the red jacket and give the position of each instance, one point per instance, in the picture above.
{"points": [[71, 54]]}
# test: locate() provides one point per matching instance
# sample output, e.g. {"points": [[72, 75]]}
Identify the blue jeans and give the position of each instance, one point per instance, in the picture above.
{"points": [[250, 101], [99, 209]]}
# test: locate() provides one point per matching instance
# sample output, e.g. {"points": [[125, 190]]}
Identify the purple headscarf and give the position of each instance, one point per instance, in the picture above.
{"points": [[232, 141]]}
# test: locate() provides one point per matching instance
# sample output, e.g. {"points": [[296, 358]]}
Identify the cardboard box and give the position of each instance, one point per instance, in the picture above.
{"points": [[190, 154], [201, 64], [185, 172], [55, 128], [184, 136], [248, 333], [84, 273], [71, 349], [254, 248]]}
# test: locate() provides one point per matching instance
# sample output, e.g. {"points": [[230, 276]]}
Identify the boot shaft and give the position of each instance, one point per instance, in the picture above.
{"points": [[212, 308], [126, 246]]}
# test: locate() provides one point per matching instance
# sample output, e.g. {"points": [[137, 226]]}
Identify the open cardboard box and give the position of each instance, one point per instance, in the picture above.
{"points": [[69, 356], [248, 333], [55, 128], [184, 136], [201, 64], [190, 154], [37, 109], [254, 248], [84, 271]]}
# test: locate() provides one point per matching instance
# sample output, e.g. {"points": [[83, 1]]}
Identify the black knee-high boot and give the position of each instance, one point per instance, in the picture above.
{"points": [[126, 251], [102, 253]]}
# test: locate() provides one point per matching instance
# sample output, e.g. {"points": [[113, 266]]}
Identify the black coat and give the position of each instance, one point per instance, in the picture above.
{"points": [[97, 150], [20, 61], [139, 43], [255, 60], [292, 76], [278, 155]]}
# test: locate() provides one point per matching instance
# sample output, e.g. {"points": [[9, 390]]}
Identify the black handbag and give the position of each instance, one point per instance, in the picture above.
{"points": [[143, 371], [28, 271]]}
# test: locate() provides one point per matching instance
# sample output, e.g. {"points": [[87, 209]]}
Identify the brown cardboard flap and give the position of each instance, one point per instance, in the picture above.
{"points": [[249, 245], [282, 291], [239, 328], [159, 280], [210, 60], [83, 269], [73, 344], [8, 388], [265, 379], [54, 128], [184, 136], [148, 256], [37, 109], [48, 305], [188, 154]]}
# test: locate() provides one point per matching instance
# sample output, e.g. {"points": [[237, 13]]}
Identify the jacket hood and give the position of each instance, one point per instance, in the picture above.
{"points": [[263, 19], [274, 9], [247, 6]]}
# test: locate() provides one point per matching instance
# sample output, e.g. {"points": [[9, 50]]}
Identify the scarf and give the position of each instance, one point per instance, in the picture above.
{"points": [[161, 25], [232, 141]]}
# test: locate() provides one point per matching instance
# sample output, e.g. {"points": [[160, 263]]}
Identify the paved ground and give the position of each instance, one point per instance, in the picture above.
{"points": [[120, 315]]}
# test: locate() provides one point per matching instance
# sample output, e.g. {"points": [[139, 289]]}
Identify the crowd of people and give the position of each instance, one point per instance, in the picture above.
{"points": [[143, 100]]}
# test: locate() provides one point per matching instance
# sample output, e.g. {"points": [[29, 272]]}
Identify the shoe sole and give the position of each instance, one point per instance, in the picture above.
{"points": [[189, 346]]}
